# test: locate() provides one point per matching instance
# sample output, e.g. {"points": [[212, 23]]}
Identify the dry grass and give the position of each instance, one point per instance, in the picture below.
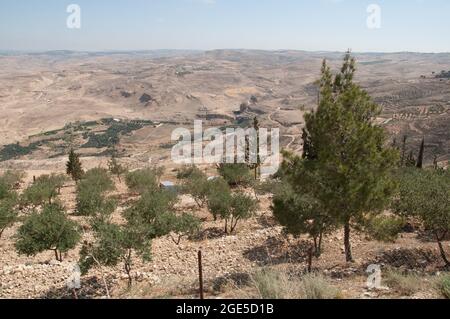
{"points": [[444, 285], [276, 284], [405, 284]]}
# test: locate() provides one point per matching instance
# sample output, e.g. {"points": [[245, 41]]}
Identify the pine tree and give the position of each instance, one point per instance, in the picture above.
{"points": [[73, 166], [353, 164], [419, 163]]}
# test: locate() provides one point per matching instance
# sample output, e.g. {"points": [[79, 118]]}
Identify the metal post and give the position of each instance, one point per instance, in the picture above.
{"points": [[200, 274]]}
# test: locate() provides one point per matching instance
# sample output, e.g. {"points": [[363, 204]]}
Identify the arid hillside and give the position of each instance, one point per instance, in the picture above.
{"points": [[41, 93]]}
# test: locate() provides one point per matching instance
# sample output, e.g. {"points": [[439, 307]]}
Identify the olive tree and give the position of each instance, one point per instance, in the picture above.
{"points": [[49, 229], [425, 193]]}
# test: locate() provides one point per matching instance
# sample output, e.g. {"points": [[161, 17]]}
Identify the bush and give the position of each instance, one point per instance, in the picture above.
{"points": [[99, 179], [228, 206], [144, 180], [405, 284], [8, 214], [272, 284], [236, 174], [195, 183], [12, 177], [444, 286], [385, 228], [8, 181], [91, 199], [425, 193], [44, 189], [91, 202], [47, 230]]}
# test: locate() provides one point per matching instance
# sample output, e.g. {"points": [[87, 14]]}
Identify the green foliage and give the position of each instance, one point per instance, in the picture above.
{"points": [[385, 228], [301, 213], [348, 158], [73, 166], [8, 214], [48, 230], [149, 212], [99, 179], [149, 217], [44, 189], [8, 182], [195, 183], [144, 180], [184, 225], [425, 194], [116, 168], [232, 208], [107, 250], [111, 136], [12, 151], [444, 285], [91, 199], [236, 174], [219, 198]]}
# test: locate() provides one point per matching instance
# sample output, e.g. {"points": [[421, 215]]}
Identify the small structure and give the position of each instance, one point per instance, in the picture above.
{"points": [[167, 185]]}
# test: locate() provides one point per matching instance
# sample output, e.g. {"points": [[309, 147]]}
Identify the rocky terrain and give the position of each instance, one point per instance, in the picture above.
{"points": [[43, 93]]}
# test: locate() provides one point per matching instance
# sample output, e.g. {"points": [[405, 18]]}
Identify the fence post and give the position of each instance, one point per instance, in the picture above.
{"points": [[200, 274], [310, 257]]}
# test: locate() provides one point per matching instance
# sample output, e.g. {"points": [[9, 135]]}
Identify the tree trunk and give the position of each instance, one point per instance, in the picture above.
{"points": [[442, 250], [56, 255], [127, 266], [318, 245], [347, 245], [226, 226]]}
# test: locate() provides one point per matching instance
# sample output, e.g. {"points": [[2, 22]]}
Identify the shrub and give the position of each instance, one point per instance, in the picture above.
{"points": [[425, 193], [196, 184], [99, 179], [236, 174], [47, 230], [405, 284], [91, 202], [385, 228], [144, 180], [444, 286], [44, 189], [181, 226], [116, 168], [8, 214], [272, 284], [227, 206], [12, 177], [302, 213]]}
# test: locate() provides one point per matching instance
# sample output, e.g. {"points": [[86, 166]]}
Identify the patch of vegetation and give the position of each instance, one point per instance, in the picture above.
{"points": [[272, 284], [144, 180], [443, 75], [404, 284], [12, 151], [236, 174], [385, 228], [44, 189], [49, 229], [444, 285]]}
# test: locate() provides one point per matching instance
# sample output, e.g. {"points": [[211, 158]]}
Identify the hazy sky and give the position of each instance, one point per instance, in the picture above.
{"points": [[406, 25]]}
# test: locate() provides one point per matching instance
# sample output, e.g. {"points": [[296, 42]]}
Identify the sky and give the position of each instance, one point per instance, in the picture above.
{"points": [[312, 25]]}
